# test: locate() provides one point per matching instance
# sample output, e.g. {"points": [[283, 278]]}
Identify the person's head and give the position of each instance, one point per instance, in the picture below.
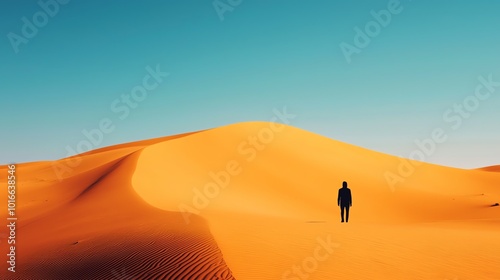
{"points": [[344, 185]]}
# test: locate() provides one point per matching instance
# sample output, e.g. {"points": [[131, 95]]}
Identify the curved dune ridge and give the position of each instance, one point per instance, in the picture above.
{"points": [[92, 225], [252, 200]]}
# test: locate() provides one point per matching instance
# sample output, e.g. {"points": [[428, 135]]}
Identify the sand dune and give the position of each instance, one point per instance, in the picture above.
{"points": [[495, 168], [253, 201], [92, 225]]}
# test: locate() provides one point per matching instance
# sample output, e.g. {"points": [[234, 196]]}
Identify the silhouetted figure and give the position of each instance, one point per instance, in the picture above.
{"points": [[344, 200]]}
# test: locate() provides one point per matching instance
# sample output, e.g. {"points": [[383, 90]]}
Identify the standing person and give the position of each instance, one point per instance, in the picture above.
{"points": [[344, 200]]}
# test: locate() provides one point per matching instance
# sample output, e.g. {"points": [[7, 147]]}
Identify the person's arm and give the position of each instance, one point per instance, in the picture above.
{"points": [[338, 199], [350, 198]]}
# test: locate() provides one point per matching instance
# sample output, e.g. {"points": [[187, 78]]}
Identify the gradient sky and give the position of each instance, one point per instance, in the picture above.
{"points": [[263, 55]]}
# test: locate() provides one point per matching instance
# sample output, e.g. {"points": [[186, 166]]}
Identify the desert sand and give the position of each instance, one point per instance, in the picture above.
{"points": [[251, 200]]}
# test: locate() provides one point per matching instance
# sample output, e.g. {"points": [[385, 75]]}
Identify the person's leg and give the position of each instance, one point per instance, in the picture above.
{"points": [[342, 213], [347, 214]]}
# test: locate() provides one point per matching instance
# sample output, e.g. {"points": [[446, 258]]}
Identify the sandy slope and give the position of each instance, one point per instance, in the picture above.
{"points": [[254, 201]]}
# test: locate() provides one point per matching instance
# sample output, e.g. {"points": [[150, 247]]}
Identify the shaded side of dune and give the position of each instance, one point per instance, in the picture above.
{"points": [[109, 232], [150, 251], [495, 168]]}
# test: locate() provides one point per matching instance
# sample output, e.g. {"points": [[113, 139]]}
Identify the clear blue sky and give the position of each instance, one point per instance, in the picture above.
{"points": [[264, 54]]}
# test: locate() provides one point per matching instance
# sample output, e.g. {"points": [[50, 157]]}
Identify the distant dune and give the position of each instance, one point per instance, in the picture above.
{"points": [[495, 168], [252, 200]]}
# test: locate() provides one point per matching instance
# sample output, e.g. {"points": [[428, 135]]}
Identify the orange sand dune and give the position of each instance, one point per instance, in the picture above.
{"points": [[495, 168], [252, 201]]}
